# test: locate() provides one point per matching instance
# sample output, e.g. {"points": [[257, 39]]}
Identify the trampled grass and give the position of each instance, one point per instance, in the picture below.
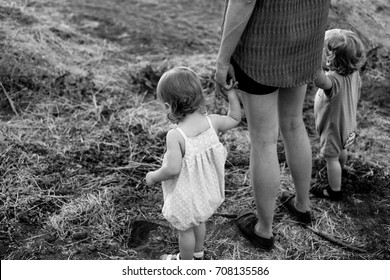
{"points": [[80, 128]]}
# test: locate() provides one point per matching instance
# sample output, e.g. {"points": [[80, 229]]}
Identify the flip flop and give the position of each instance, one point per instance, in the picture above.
{"points": [[287, 200], [246, 221]]}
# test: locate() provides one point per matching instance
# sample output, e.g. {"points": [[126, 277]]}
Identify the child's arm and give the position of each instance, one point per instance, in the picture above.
{"points": [[323, 82], [233, 116], [172, 160]]}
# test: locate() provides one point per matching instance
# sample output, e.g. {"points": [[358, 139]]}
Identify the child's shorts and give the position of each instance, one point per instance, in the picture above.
{"points": [[247, 84], [332, 147]]}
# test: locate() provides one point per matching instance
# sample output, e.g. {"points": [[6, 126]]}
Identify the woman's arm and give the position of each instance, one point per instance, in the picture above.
{"points": [[172, 160], [237, 16]]}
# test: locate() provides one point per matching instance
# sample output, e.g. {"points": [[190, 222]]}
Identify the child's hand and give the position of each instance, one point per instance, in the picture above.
{"points": [[229, 88], [149, 179], [231, 85]]}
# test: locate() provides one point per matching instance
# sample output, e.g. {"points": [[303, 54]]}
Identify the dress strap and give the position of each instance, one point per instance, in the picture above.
{"points": [[208, 119], [181, 132]]}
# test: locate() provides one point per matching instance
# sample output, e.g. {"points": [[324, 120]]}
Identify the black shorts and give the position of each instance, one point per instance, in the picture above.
{"points": [[249, 85]]}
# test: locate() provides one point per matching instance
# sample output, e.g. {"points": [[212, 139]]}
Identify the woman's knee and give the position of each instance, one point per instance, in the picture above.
{"points": [[264, 139], [291, 124], [290, 108]]}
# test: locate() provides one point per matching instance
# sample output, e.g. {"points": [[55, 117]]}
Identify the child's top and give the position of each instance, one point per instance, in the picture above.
{"points": [[199, 189], [335, 114]]}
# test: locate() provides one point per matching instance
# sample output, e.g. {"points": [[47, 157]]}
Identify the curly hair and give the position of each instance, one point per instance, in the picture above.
{"points": [[181, 88], [343, 51]]}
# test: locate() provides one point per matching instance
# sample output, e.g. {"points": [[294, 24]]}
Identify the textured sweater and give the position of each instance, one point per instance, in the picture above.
{"points": [[282, 43]]}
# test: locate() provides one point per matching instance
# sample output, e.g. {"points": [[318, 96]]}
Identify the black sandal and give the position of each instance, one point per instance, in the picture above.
{"points": [[287, 200], [327, 192], [246, 221]]}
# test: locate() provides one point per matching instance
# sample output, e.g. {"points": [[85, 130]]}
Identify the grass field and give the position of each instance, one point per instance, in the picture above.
{"points": [[80, 127]]}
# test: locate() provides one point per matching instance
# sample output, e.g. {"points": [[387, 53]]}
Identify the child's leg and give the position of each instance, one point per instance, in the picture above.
{"points": [[200, 235], [187, 243], [343, 158], [334, 173]]}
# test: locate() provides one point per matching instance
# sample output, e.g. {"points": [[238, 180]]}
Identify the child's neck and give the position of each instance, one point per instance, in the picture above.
{"points": [[193, 124], [191, 117]]}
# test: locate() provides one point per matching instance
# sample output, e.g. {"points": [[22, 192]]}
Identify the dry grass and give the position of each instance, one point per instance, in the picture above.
{"points": [[81, 127]]}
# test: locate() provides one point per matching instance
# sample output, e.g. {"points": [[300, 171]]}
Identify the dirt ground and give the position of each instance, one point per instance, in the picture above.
{"points": [[80, 127]]}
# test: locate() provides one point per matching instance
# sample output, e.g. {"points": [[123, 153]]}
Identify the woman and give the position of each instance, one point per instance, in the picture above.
{"points": [[273, 48]]}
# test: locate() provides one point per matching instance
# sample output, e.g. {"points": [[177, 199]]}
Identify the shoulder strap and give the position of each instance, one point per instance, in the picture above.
{"points": [[208, 119], [181, 132]]}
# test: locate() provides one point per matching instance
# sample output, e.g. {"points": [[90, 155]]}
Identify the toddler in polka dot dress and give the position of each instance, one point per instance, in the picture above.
{"points": [[192, 172]]}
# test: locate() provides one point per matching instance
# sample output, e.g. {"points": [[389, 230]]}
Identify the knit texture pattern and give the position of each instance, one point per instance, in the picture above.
{"points": [[283, 41]]}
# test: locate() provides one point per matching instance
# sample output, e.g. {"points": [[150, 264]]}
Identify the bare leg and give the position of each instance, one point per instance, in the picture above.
{"points": [[343, 158], [334, 173], [261, 113], [200, 235], [187, 243], [296, 141]]}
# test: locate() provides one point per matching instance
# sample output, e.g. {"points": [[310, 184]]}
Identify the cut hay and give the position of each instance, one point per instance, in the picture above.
{"points": [[80, 127]]}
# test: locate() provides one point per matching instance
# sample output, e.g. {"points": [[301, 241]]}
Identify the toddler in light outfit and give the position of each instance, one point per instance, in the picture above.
{"points": [[192, 172], [335, 104]]}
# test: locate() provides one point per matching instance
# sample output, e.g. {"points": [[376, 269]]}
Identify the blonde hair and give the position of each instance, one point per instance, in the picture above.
{"points": [[181, 88], [343, 51]]}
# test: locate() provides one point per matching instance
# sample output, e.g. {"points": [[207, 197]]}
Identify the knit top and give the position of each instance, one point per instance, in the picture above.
{"points": [[282, 43]]}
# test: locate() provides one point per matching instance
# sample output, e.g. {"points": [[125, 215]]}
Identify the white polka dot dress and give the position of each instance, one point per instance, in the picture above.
{"points": [[194, 195]]}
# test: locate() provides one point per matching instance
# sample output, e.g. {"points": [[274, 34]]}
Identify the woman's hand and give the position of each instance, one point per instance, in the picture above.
{"points": [[224, 77], [224, 73]]}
